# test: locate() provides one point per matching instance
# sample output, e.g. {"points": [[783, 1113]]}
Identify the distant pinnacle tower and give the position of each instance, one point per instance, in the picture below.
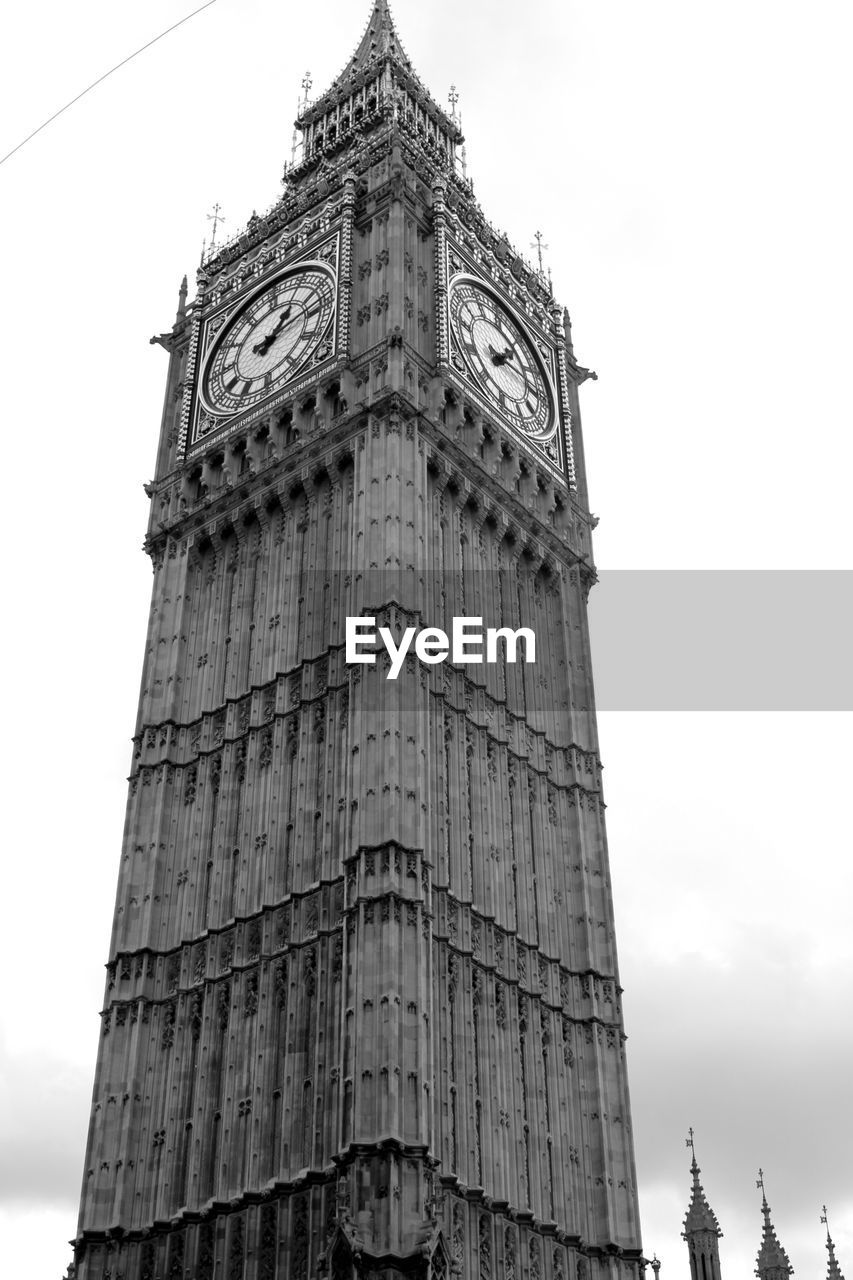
{"points": [[833, 1271], [772, 1261], [701, 1229], [363, 1013]]}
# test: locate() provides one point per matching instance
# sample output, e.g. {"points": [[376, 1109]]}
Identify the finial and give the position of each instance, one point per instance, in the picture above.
{"points": [[760, 1184], [307, 82], [453, 99], [538, 244], [216, 218]]}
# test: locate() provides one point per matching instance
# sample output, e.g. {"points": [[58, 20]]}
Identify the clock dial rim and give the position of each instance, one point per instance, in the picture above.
{"points": [[486, 385], [232, 321]]}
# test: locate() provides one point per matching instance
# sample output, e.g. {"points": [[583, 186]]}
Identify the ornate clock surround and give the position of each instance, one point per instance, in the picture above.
{"points": [[206, 425], [539, 331]]}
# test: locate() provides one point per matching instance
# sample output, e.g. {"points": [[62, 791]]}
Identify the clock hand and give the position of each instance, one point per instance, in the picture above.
{"points": [[262, 347], [500, 357]]}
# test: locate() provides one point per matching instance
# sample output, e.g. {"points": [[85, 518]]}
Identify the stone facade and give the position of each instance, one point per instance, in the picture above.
{"points": [[363, 1010]]}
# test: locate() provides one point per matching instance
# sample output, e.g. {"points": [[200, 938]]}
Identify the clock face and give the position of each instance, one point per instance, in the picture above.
{"points": [[269, 339], [501, 360]]}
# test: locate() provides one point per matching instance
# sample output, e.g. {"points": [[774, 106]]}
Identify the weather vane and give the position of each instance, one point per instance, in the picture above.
{"points": [[689, 1141], [760, 1182]]}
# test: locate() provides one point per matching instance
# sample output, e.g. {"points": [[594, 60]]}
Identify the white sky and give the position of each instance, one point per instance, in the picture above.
{"points": [[688, 164]]}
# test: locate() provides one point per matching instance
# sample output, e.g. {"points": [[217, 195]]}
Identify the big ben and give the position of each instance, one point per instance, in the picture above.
{"points": [[363, 1012]]}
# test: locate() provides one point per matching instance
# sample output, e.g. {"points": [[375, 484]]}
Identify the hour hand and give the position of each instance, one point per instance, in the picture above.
{"points": [[500, 357], [262, 347]]}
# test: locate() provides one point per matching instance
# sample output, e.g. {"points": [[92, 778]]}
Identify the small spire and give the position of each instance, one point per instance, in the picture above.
{"points": [[772, 1262], [656, 1266], [700, 1216], [182, 301], [567, 326], [833, 1271]]}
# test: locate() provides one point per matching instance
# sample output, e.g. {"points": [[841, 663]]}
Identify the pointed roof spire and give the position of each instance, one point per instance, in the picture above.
{"points": [[833, 1271], [700, 1216], [378, 49], [380, 38], [772, 1262]]}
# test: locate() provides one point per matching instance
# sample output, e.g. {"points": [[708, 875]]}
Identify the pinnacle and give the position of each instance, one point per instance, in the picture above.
{"points": [[833, 1271], [772, 1262], [700, 1216]]}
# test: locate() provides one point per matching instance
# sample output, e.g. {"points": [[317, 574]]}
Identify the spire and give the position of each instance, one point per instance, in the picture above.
{"points": [[700, 1216], [701, 1229], [380, 39], [378, 84], [833, 1271], [772, 1262]]}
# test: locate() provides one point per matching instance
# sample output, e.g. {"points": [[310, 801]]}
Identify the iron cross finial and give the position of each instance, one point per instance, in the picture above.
{"points": [[538, 244], [216, 218], [689, 1141], [307, 82], [453, 99], [760, 1182], [824, 1219]]}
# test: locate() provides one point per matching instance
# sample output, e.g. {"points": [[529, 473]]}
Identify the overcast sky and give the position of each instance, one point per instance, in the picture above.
{"points": [[688, 165]]}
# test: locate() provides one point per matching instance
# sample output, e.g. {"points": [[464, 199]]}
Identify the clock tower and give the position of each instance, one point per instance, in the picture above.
{"points": [[363, 1013]]}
